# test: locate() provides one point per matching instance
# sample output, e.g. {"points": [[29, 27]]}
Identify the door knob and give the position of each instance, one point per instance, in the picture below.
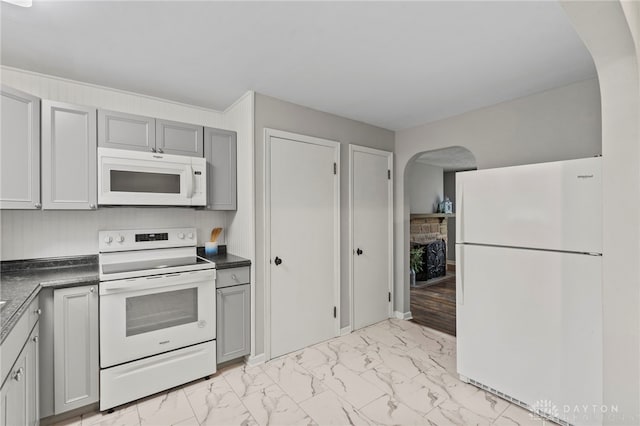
{"points": [[277, 261], [359, 252]]}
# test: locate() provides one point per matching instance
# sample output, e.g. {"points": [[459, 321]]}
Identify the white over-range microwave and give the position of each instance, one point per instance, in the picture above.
{"points": [[152, 179]]}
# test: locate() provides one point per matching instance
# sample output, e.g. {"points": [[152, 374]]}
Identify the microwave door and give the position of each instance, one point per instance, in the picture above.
{"points": [[138, 182]]}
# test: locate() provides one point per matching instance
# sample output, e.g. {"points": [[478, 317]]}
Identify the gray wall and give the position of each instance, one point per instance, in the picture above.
{"points": [[425, 187], [450, 191], [559, 124], [276, 114]]}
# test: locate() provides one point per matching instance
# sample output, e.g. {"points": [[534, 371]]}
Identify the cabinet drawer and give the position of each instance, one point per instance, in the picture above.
{"points": [[14, 342], [232, 276]]}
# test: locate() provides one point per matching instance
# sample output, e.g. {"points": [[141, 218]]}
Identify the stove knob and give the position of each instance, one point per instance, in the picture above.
{"points": [[181, 235], [108, 239], [120, 238], [190, 235]]}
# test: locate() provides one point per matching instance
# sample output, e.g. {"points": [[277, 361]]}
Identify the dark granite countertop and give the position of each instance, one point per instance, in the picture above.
{"points": [[21, 282], [226, 260]]}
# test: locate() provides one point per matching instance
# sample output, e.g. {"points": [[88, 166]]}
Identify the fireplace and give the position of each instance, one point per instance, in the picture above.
{"points": [[434, 261]]}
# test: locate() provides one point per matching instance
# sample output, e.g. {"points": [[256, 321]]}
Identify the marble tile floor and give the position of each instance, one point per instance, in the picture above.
{"points": [[391, 373]]}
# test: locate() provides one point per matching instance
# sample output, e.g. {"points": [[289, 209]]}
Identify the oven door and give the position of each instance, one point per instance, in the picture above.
{"points": [[140, 317], [142, 178]]}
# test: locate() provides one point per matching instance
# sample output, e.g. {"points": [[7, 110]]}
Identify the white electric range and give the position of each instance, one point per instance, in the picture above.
{"points": [[157, 313]]}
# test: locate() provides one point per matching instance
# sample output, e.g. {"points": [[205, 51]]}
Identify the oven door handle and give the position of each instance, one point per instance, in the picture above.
{"points": [[145, 283]]}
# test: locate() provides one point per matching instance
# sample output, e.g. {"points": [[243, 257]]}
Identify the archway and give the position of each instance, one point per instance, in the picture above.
{"points": [[430, 189]]}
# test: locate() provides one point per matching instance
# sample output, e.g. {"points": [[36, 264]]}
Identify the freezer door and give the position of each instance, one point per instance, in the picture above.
{"points": [[553, 206], [529, 324]]}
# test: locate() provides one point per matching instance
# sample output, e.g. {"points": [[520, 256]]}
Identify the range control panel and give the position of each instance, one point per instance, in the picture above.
{"points": [[145, 239]]}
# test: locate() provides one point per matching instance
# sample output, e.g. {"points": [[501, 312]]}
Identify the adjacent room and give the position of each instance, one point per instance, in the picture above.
{"points": [[432, 193], [319, 213]]}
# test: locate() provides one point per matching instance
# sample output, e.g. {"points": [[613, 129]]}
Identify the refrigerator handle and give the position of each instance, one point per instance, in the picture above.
{"points": [[460, 274], [460, 213]]}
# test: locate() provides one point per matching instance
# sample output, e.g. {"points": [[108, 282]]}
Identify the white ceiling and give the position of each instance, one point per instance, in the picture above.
{"points": [[453, 159], [392, 64]]}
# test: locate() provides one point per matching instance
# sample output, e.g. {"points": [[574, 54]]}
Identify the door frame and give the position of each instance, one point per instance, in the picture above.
{"points": [[266, 190], [352, 150]]}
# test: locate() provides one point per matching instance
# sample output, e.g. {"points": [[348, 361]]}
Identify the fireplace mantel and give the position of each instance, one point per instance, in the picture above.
{"points": [[440, 216]]}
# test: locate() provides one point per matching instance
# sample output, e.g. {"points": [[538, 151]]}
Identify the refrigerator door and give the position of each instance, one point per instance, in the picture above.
{"points": [[553, 206], [529, 325]]}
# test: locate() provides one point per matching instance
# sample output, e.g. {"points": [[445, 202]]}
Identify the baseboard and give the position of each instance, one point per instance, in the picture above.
{"points": [[345, 330], [403, 316], [451, 265], [254, 360]]}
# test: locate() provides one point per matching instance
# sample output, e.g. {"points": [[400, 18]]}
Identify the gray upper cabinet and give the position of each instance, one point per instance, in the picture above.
{"points": [[220, 152], [126, 131], [75, 336], [69, 162], [178, 138], [19, 150]]}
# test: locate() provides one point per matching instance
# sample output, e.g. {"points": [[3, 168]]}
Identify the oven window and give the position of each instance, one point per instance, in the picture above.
{"points": [[158, 183], [161, 310]]}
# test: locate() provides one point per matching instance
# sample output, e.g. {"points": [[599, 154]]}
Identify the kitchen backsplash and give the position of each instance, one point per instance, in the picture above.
{"points": [[31, 234]]}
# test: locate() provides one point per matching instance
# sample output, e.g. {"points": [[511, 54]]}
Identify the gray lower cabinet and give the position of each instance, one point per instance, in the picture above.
{"points": [[20, 148], [179, 138], [70, 325], [220, 151], [19, 393], [69, 162], [233, 322], [120, 130]]}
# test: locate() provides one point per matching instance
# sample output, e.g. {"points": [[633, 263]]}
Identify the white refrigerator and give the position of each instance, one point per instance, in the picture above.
{"points": [[529, 285]]}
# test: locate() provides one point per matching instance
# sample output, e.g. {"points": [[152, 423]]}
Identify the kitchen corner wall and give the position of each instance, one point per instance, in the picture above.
{"points": [[28, 234], [280, 115]]}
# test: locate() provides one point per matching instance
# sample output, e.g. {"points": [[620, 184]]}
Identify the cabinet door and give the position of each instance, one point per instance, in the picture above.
{"points": [[14, 394], [220, 152], [19, 150], [75, 333], [32, 378], [179, 138], [233, 322], [69, 162], [126, 131]]}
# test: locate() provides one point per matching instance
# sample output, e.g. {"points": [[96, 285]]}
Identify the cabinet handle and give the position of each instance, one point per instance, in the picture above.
{"points": [[18, 376], [37, 205], [92, 289], [160, 151], [35, 339], [92, 206], [38, 311], [233, 277], [219, 291]]}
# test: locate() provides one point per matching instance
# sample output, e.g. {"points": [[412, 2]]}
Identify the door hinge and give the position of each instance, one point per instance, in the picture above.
{"points": [[389, 174], [389, 296], [335, 168], [335, 312]]}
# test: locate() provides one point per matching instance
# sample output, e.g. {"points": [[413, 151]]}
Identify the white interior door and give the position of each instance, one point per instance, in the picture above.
{"points": [[302, 240], [371, 218]]}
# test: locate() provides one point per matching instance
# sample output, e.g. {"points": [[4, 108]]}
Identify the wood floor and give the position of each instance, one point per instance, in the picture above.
{"points": [[434, 306]]}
